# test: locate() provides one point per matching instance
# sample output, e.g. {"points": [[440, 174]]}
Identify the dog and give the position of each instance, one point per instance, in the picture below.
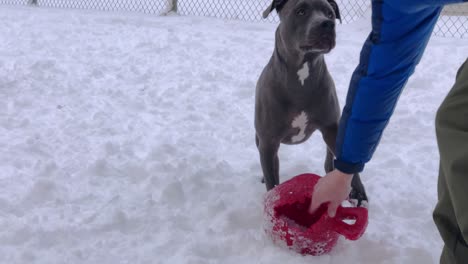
{"points": [[295, 93]]}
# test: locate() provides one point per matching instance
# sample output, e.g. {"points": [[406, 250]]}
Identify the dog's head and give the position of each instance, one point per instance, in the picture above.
{"points": [[309, 25]]}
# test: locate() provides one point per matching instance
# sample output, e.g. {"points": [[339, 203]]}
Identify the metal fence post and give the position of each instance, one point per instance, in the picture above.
{"points": [[174, 6], [33, 2], [171, 6]]}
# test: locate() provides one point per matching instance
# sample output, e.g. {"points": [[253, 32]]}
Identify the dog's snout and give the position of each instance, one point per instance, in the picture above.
{"points": [[328, 25]]}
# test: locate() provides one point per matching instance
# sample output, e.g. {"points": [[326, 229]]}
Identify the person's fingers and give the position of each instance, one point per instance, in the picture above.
{"points": [[332, 207], [317, 200], [314, 205]]}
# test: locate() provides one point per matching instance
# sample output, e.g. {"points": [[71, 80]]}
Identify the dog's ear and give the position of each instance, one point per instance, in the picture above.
{"points": [[268, 10], [336, 9], [275, 4]]}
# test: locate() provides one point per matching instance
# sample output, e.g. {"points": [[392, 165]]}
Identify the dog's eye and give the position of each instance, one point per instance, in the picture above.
{"points": [[330, 14], [301, 12]]}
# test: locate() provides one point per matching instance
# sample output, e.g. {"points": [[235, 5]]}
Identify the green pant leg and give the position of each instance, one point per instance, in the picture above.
{"points": [[444, 217], [451, 212]]}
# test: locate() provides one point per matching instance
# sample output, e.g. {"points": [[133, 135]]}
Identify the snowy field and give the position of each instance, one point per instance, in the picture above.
{"points": [[128, 138]]}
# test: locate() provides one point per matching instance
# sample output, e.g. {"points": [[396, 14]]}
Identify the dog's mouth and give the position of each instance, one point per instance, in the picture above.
{"points": [[313, 49], [322, 45]]}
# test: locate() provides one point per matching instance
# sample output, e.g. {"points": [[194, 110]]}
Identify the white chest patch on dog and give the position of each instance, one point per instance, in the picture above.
{"points": [[303, 73], [300, 122]]}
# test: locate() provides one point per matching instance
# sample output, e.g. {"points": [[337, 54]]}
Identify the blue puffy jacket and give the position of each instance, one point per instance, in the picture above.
{"points": [[400, 32]]}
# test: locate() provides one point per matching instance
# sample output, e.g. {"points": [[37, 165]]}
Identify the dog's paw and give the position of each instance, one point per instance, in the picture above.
{"points": [[358, 199], [356, 203]]}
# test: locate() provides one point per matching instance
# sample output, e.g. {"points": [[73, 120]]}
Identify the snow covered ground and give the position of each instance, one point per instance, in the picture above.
{"points": [[128, 138]]}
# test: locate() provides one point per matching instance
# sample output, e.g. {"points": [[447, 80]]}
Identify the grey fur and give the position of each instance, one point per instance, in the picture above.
{"points": [[306, 32]]}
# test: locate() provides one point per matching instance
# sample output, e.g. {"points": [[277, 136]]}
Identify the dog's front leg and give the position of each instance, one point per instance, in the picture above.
{"points": [[270, 163], [358, 194]]}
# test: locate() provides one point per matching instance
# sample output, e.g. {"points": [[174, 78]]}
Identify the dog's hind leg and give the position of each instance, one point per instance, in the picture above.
{"points": [[329, 136], [270, 163], [358, 196]]}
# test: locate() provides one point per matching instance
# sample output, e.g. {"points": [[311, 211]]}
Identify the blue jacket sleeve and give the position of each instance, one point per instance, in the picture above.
{"points": [[400, 32]]}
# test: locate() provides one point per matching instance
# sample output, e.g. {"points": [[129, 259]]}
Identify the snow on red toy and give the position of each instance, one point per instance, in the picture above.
{"points": [[288, 222]]}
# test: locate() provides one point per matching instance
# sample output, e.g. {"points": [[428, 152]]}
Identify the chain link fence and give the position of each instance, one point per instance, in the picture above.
{"points": [[453, 22], [143, 6], [251, 10]]}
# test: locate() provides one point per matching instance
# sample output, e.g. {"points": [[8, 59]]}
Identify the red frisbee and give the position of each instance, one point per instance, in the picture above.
{"points": [[288, 223]]}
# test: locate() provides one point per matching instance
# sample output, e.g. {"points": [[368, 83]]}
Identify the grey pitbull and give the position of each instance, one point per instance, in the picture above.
{"points": [[295, 93]]}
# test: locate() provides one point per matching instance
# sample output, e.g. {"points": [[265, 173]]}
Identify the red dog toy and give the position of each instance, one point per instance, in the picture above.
{"points": [[288, 222]]}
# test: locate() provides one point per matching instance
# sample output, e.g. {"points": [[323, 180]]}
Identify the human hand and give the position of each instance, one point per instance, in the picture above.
{"points": [[333, 188]]}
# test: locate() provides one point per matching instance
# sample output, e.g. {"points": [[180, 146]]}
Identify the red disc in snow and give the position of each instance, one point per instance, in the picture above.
{"points": [[288, 222]]}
